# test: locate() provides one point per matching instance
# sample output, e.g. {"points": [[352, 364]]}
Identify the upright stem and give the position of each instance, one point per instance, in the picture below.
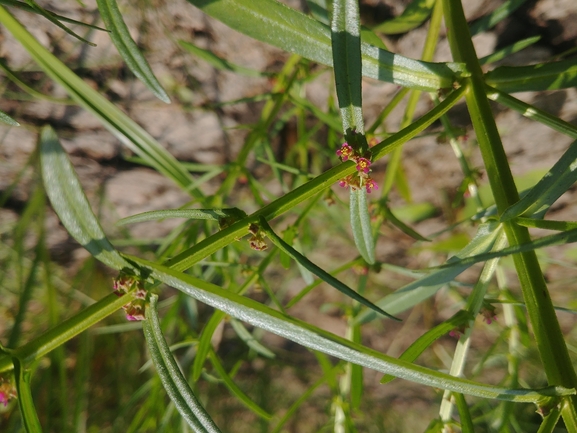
{"points": [[548, 336]]}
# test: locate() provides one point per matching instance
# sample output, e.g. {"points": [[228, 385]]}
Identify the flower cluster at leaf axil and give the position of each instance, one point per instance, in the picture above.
{"points": [[7, 390], [360, 179], [135, 310], [256, 241]]}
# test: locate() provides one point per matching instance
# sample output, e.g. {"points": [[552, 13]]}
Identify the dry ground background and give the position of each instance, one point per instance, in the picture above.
{"points": [[194, 132]]}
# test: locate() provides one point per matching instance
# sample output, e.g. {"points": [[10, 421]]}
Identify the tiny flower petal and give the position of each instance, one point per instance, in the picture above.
{"points": [[370, 184], [363, 165], [345, 152]]}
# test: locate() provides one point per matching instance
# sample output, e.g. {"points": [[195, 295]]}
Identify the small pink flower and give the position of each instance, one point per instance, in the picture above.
{"points": [[488, 313], [370, 184], [4, 398], [363, 165], [345, 152]]}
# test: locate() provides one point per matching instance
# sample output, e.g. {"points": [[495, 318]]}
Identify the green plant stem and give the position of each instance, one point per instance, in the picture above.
{"points": [[204, 248], [547, 331], [65, 331]]}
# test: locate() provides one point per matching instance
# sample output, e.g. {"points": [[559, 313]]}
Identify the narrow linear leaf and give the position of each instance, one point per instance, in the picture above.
{"points": [[27, 409], [323, 275], [192, 214], [274, 23], [124, 128], [128, 49], [235, 390], [70, 203], [532, 112], [54, 20], [507, 51], [361, 224], [307, 335], [171, 377], [249, 339], [218, 62], [563, 238], [390, 216], [412, 17], [499, 14], [425, 287], [26, 7], [204, 343], [550, 421], [546, 224], [7, 119], [464, 413], [346, 47], [308, 190], [543, 76], [66, 330], [552, 186], [429, 337]]}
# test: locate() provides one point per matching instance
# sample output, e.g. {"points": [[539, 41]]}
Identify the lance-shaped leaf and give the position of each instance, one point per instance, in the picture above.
{"points": [[507, 51], [346, 44], [27, 409], [425, 287], [361, 224], [7, 119], [54, 20], [323, 275], [124, 128], [412, 17], [26, 7], [307, 335], [274, 23], [171, 377], [192, 214], [70, 203], [491, 20], [429, 337], [391, 217], [544, 76], [218, 62], [128, 49], [249, 339], [552, 186]]}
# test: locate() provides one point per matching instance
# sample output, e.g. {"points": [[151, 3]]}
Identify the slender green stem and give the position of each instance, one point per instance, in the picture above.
{"points": [[65, 331], [548, 336]]}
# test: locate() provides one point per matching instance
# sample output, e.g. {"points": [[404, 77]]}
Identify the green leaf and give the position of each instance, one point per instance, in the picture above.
{"points": [[249, 339], [276, 24], [543, 76], [390, 216], [204, 343], [464, 413], [27, 410], [236, 391], [361, 224], [546, 224], [70, 203], [124, 128], [193, 214], [492, 19], [425, 287], [218, 62], [52, 18], [346, 46], [507, 51], [307, 335], [7, 119], [552, 186], [61, 333], [412, 17], [26, 7], [171, 377], [325, 276], [429, 337], [128, 49]]}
